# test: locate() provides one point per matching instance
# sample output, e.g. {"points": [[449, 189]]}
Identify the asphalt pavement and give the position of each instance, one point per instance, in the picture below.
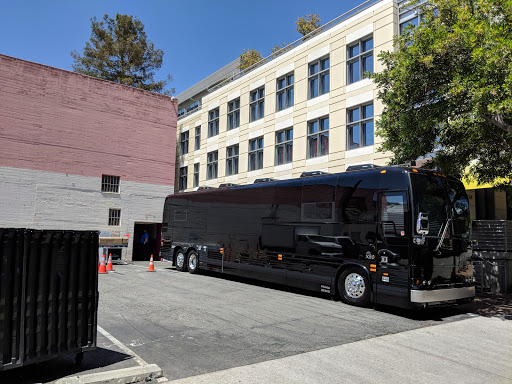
{"points": [[211, 329], [476, 350]]}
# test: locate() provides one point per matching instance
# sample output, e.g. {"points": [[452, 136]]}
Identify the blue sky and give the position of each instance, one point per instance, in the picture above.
{"points": [[198, 37]]}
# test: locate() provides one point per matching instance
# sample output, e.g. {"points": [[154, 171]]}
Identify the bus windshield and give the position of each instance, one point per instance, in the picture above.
{"points": [[442, 200]]}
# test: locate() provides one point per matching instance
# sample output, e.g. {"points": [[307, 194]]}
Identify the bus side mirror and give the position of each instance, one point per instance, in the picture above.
{"points": [[422, 224]]}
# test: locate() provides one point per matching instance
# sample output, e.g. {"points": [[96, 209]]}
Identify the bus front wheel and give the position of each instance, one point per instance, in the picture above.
{"points": [[181, 261], [354, 287], [193, 262]]}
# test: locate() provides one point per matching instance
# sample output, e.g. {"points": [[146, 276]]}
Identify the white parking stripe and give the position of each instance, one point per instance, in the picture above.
{"points": [[123, 347]]}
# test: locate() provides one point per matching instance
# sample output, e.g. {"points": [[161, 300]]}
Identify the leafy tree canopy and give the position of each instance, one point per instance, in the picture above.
{"points": [[308, 23], [448, 87], [248, 58], [120, 51]]}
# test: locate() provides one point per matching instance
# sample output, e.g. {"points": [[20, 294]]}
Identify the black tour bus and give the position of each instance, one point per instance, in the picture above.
{"points": [[388, 235]]}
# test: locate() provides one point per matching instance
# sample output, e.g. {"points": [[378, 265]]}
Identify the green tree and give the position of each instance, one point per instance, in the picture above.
{"points": [[447, 87], [248, 58], [308, 24], [120, 51]]}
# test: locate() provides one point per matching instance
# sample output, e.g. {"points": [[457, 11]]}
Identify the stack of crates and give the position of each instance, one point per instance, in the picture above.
{"points": [[48, 294], [492, 254]]}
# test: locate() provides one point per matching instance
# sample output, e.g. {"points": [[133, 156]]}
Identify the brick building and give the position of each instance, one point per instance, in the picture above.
{"points": [[77, 152]]}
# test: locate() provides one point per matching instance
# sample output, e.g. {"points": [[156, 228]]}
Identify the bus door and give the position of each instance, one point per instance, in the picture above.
{"points": [[392, 280]]}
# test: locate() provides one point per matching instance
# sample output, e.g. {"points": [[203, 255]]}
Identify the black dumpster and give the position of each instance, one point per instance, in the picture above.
{"points": [[48, 294]]}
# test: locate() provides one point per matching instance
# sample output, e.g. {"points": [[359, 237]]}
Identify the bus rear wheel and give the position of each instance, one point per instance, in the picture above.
{"points": [[181, 261], [193, 262], [354, 287]]}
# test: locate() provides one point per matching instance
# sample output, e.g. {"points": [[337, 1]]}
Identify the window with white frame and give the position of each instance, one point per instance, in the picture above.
{"points": [[318, 77], [284, 146], [196, 175], [256, 154], [257, 104], [183, 178], [212, 159], [114, 216], [184, 143], [318, 137], [284, 94], [232, 160], [110, 184], [197, 144], [360, 126], [359, 59], [213, 122], [233, 114]]}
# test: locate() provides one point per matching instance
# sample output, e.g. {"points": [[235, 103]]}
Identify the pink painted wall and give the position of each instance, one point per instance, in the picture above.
{"points": [[60, 121]]}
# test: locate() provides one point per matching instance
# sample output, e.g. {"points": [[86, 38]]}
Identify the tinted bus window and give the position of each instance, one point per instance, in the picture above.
{"points": [[392, 208], [356, 195], [429, 197], [460, 208], [287, 202], [318, 199]]}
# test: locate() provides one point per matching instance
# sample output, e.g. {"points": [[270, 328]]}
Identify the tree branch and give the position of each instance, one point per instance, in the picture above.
{"points": [[499, 122]]}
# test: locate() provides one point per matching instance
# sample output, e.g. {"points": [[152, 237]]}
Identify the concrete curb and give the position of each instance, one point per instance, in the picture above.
{"points": [[118, 376]]}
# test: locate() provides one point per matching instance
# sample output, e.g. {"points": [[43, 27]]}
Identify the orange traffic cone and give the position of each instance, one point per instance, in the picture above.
{"points": [[109, 264], [103, 267], [151, 265]]}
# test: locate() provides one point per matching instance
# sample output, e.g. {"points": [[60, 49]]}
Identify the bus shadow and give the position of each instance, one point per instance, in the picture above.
{"points": [[486, 304]]}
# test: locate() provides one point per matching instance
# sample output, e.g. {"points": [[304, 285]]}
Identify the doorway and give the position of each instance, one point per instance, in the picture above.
{"points": [[141, 252]]}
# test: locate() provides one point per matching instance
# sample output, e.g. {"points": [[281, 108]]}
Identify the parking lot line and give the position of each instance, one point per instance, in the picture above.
{"points": [[123, 347]]}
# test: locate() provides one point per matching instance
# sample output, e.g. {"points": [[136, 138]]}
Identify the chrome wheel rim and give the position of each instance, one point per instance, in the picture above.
{"points": [[354, 286], [180, 260], [192, 261]]}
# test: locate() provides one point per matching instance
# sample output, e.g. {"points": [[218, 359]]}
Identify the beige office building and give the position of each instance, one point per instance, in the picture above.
{"points": [[308, 108]]}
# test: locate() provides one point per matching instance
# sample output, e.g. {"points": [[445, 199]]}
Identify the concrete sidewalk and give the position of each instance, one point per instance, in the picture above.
{"points": [[475, 350]]}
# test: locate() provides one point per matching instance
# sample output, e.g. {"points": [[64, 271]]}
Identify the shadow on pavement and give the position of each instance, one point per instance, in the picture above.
{"points": [[494, 305], [485, 304], [52, 370]]}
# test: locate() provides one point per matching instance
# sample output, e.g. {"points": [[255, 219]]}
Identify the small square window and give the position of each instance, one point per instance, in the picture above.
{"points": [[110, 184], [114, 216]]}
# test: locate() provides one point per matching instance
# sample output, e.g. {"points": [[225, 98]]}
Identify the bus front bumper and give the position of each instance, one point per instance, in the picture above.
{"points": [[440, 295]]}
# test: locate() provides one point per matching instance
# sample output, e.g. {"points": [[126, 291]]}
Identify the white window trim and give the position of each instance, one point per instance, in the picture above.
{"points": [[318, 99], [317, 160], [283, 167], [358, 85], [359, 151]]}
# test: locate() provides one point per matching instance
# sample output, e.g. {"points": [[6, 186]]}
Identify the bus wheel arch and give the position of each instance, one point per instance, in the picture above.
{"points": [[193, 261], [180, 260], [353, 285]]}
